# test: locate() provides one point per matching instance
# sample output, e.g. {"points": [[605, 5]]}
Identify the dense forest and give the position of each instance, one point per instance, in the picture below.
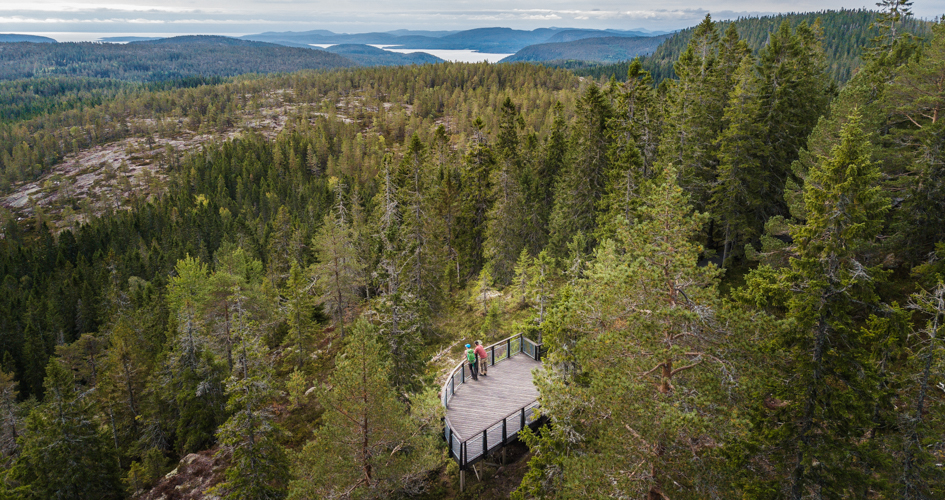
{"points": [[738, 275], [845, 33], [159, 60]]}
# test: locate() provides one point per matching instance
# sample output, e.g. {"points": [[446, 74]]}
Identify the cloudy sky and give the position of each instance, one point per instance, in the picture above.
{"points": [[350, 16]]}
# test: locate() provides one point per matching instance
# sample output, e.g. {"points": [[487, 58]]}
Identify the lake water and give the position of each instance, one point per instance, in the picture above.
{"points": [[466, 55]]}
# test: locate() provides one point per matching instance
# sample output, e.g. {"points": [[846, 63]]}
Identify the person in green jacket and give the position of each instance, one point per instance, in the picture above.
{"points": [[471, 358]]}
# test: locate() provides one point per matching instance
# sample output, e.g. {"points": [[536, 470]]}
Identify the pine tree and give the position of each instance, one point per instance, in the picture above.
{"points": [[369, 444], [192, 379], [235, 269]]}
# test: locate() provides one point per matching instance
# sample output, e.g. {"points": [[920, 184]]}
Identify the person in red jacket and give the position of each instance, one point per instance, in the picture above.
{"points": [[483, 358]]}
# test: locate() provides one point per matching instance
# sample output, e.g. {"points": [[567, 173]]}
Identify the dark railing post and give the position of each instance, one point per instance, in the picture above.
{"points": [[485, 442], [462, 373], [493, 355], [505, 437], [508, 348], [452, 386], [523, 420], [451, 439], [462, 456], [521, 342]]}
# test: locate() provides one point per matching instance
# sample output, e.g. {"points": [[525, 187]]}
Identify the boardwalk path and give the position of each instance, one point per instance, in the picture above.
{"points": [[478, 405]]}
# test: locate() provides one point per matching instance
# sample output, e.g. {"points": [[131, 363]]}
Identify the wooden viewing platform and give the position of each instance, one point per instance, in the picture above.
{"points": [[486, 414]]}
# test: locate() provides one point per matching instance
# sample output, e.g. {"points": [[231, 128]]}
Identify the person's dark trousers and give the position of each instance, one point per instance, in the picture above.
{"points": [[474, 370]]}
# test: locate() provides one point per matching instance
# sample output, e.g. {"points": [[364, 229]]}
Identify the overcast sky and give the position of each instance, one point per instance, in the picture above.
{"points": [[350, 16]]}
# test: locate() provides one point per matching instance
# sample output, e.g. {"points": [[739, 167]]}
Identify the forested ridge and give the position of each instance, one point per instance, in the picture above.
{"points": [[159, 60], [845, 33], [737, 274]]}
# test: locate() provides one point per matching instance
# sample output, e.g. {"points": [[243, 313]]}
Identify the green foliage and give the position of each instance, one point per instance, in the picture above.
{"points": [[847, 31], [160, 60], [258, 463], [63, 454], [647, 381], [582, 180], [370, 445], [391, 193], [833, 395]]}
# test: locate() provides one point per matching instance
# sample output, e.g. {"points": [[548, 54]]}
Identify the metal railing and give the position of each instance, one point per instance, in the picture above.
{"points": [[467, 450]]}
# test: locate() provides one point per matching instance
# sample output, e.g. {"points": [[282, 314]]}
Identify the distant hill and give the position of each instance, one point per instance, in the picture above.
{"points": [[365, 55], [12, 37], [306, 38], [844, 32], [497, 39], [434, 34], [572, 35], [600, 49], [126, 39], [160, 60]]}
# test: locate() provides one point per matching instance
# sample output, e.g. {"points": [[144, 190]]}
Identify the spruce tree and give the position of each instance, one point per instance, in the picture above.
{"points": [[402, 313], [505, 221], [915, 104], [694, 114], [583, 181], [62, 451], [741, 193], [258, 466], [920, 477], [297, 303], [794, 90], [337, 273], [10, 416], [814, 422], [476, 178]]}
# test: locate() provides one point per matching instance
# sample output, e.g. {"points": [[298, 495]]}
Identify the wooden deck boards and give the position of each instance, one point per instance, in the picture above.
{"points": [[477, 405]]}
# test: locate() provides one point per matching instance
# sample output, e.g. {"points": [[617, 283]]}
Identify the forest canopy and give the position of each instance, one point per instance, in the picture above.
{"points": [[736, 273]]}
